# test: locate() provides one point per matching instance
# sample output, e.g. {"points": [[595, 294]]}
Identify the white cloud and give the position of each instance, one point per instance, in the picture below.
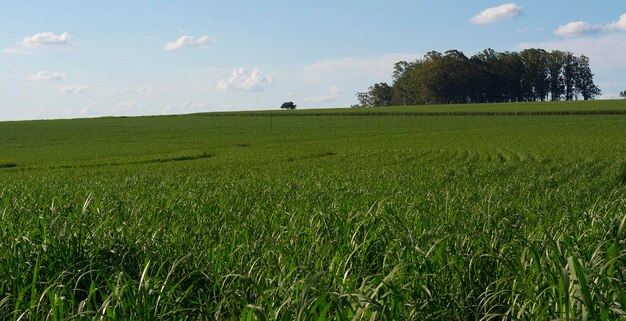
{"points": [[167, 109], [245, 79], [581, 28], [40, 40], [375, 67], [46, 39], [606, 54], [506, 11], [577, 28], [15, 51], [47, 76], [619, 24], [610, 96], [89, 109], [186, 107], [188, 41], [73, 89], [335, 90], [318, 99], [144, 90], [127, 104]]}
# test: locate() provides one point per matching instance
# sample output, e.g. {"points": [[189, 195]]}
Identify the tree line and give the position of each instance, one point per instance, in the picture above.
{"points": [[486, 77]]}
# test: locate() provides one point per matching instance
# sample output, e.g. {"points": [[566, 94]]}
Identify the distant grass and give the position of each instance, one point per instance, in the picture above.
{"points": [[314, 218], [593, 107]]}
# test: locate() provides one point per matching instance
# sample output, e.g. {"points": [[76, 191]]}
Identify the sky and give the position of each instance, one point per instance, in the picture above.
{"points": [[75, 59]]}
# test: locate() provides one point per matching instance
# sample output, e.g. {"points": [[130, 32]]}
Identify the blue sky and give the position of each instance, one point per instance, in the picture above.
{"points": [[66, 59]]}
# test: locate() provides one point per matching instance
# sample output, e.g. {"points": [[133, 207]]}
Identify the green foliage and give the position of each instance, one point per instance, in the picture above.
{"points": [[314, 218], [377, 96], [489, 77], [288, 105]]}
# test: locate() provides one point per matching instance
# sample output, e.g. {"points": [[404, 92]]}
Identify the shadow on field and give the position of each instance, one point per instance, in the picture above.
{"points": [[7, 165], [143, 161]]}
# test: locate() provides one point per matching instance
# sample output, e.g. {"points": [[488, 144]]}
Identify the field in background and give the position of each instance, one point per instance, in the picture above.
{"points": [[315, 218], [531, 108]]}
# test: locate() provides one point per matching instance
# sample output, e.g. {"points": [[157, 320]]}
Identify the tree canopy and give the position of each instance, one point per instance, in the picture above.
{"points": [[488, 76], [289, 105]]}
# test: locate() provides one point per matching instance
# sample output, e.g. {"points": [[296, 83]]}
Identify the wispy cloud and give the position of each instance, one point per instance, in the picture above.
{"points": [[334, 92], [127, 104], [188, 41], [143, 90], [318, 99], [47, 39], [619, 24], [583, 28], [47, 76], [40, 40], [186, 107], [577, 28], [73, 89], [606, 52], [506, 11], [15, 51], [379, 66], [246, 80]]}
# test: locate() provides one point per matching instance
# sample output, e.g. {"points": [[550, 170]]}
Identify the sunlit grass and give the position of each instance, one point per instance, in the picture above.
{"points": [[314, 218]]}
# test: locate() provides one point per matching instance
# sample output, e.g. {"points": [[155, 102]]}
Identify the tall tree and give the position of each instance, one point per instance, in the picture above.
{"points": [[570, 67], [584, 80], [511, 71], [556, 62], [535, 80]]}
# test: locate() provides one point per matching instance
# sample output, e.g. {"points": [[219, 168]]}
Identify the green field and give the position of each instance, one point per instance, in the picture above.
{"points": [[530, 108], [316, 218]]}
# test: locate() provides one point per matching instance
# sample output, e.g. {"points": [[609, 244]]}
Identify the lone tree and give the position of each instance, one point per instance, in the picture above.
{"points": [[623, 94], [288, 105]]}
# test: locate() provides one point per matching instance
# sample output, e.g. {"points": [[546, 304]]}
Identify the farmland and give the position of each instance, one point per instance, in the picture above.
{"points": [[385, 217]]}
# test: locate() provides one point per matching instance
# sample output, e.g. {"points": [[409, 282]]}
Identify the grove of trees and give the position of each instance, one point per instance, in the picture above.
{"points": [[486, 77]]}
